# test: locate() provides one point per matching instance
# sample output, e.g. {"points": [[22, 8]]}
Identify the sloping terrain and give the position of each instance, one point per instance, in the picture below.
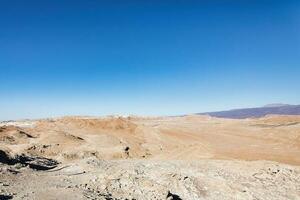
{"points": [[190, 157]]}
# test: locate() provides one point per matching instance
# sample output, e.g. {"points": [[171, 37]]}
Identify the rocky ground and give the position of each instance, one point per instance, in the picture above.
{"points": [[141, 179], [192, 157]]}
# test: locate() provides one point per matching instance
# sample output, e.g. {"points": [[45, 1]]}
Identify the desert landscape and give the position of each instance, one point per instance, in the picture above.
{"points": [[149, 100], [186, 157]]}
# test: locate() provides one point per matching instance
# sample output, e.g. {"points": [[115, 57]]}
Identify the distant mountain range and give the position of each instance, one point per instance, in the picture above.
{"points": [[276, 109]]}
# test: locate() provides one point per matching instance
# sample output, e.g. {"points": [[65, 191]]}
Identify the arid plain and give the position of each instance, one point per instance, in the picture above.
{"points": [[188, 157]]}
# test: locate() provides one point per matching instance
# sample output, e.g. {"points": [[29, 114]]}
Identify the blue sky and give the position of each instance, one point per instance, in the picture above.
{"points": [[146, 57]]}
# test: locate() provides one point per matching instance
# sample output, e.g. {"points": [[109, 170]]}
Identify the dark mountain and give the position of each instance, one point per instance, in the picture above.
{"points": [[277, 109]]}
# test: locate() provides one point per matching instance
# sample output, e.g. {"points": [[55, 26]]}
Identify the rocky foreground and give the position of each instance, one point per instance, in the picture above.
{"points": [[141, 179]]}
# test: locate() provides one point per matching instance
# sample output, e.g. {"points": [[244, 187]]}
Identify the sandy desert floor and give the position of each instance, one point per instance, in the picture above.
{"points": [[189, 157]]}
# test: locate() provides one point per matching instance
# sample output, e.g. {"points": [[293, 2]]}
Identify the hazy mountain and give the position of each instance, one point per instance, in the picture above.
{"points": [[278, 109], [276, 105]]}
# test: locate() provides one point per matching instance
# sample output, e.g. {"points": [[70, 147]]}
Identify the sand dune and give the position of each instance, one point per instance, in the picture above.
{"points": [[274, 138]]}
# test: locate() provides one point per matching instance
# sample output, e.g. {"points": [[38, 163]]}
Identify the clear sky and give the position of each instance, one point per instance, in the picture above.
{"points": [[94, 57]]}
